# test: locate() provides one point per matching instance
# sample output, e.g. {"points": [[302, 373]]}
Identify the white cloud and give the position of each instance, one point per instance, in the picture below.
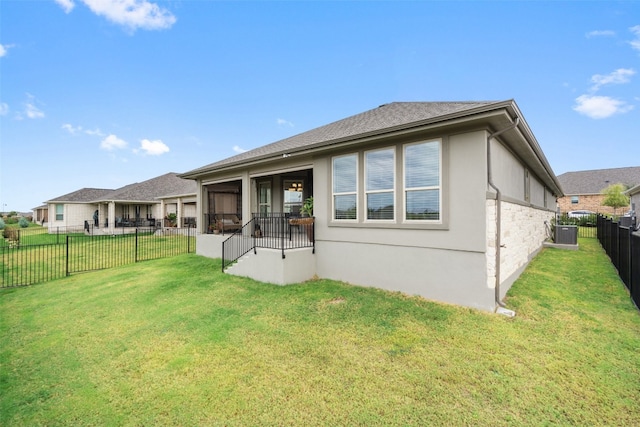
{"points": [[4, 109], [132, 14], [79, 129], [600, 33], [239, 150], [66, 5], [32, 111], [96, 132], [619, 76], [72, 130], [3, 51], [112, 142], [153, 148], [600, 107], [283, 122], [635, 44]]}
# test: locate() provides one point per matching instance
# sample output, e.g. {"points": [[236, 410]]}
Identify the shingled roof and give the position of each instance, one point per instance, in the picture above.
{"points": [[169, 184], [84, 195], [385, 118], [594, 181], [152, 189]]}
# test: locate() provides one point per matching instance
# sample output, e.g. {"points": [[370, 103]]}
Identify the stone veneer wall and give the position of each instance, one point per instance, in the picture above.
{"points": [[523, 233]]}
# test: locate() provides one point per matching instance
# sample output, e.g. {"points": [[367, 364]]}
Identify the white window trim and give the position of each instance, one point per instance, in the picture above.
{"points": [[392, 190], [438, 187]]}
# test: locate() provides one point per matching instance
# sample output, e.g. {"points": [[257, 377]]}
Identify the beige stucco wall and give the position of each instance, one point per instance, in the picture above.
{"points": [[74, 215], [446, 264]]}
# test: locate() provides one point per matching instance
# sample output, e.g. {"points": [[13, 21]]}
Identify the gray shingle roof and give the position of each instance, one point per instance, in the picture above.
{"points": [[386, 118], [147, 191], [152, 189], [83, 195], [594, 181]]}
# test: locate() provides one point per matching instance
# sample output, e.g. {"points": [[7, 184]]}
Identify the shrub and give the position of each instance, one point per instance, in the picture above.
{"points": [[2, 224], [11, 233], [23, 222], [11, 220]]}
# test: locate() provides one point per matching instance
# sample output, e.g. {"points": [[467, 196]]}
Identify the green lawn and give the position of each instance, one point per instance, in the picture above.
{"points": [[176, 342]]}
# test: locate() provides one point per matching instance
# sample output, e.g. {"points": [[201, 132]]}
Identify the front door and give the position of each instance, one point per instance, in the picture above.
{"points": [[264, 198]]}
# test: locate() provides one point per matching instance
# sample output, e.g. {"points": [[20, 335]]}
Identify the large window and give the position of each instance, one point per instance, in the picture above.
{"points": [[59, 212], [422, 182], [345, 187], [380, 183]]}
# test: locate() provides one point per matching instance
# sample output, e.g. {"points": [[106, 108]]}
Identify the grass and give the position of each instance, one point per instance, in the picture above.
{"points": [[49, 256], [176, 342]]}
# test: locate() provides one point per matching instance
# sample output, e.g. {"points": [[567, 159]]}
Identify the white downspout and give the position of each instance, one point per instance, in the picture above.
{"points": [[498, 208]]}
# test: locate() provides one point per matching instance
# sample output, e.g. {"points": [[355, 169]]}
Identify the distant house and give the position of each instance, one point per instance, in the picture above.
{"points": [[447, 200], [583, 189], [141, 204], [634, 198], [40, 214]]}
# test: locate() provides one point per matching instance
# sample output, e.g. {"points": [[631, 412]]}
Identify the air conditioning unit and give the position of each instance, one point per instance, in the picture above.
{"points": [[567, 234]]}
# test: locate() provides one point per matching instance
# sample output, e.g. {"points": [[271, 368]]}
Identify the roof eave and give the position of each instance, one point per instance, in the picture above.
{"points": [[447, 119]]}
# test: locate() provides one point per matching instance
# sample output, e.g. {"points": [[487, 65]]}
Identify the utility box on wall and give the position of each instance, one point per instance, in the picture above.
{"points": [[567, 234]]}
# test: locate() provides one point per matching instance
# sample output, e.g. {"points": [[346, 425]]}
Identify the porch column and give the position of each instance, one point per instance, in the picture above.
{"points": [[200, 207], [179, 211], [246, 198], [111, 217]]}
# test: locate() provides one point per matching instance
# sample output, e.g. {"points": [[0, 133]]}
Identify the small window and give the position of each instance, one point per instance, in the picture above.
{"points": [[574, 200], [380, 183], [59, 212], [345, 187]]}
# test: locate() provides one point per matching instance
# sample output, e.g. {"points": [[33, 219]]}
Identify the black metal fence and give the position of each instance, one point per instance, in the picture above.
{"points": [[29, 263], [279, 231], [622, 245]]}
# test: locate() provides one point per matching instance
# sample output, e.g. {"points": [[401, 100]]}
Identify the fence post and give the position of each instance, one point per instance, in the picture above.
{"points": [[66, 273], [135, 255], [282, 232]]}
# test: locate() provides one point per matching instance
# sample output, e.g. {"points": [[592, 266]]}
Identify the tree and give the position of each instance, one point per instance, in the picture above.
{"points": [[614, 196]]}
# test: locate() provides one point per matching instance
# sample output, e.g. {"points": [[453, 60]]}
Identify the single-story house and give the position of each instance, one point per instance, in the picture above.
{"points": [[447, 200], [583, 189], [634, 198], [40, 214], [143, 204]]}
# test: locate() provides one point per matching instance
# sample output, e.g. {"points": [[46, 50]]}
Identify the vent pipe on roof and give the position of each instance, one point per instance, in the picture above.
{"points": [[498, 215]]}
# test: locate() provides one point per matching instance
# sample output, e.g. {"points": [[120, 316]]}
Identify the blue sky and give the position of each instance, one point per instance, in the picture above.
{"points": [[98, 93]]}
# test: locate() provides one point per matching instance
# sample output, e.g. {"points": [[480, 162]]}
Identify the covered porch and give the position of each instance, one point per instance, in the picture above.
{"points": [[267, 201]]}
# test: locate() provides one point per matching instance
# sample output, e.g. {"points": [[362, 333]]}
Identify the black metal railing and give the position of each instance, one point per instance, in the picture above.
{"points": [[622, 245], [279, 231], [43, 260]]}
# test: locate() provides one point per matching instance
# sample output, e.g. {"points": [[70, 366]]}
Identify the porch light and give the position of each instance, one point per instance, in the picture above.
{"points": [[296, 186]]}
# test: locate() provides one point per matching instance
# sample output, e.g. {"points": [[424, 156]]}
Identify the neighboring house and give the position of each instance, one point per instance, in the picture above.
{"points": [[141, 204], [447, 200], [41, 214], [634, 198], [583, 189], [73, 209]]}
